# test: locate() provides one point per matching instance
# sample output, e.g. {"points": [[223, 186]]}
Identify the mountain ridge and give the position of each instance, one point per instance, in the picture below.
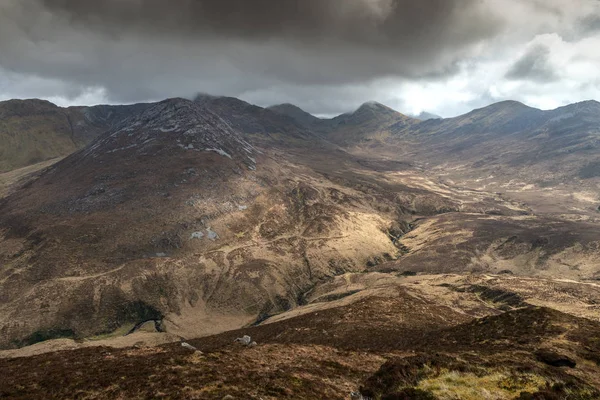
{"points": [[296, 112], [35, 130]]}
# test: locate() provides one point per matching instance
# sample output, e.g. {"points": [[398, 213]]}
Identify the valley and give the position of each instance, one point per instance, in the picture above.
{"points": [[371, 251]]}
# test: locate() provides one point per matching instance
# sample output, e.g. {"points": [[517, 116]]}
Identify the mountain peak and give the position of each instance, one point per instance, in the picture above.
{"points": [[285, 105], [588, 102], [204, 98], [586, 105], [500, 111], [295, 112], [508, 105], [371, 103], [25, 107], [172, 125], [371, 109], [375, 106]]}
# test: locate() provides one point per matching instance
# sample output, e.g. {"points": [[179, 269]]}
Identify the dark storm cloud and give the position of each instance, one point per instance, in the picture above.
{"points": [[143, 49], [590, 24], [325, 55], [534, 65], [387, 23]]}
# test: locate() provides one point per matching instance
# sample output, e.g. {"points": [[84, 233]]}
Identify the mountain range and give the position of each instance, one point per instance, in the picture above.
{"points": [[344, 243]]}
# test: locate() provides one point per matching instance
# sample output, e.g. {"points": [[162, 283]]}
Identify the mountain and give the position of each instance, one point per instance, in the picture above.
{"points": [[32, 131], [500, 118], [190, 212], [370, 122], [509, 131], [348, 250], [263, 125], [298, 114], [174, 215], [89, 122], [508, 147]]}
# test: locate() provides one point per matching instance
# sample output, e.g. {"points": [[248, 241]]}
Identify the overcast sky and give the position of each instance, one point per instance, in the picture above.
{"points": [[326, 56]]}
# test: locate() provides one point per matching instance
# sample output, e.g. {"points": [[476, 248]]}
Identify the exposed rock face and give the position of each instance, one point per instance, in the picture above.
{"points": [[172, 124]]}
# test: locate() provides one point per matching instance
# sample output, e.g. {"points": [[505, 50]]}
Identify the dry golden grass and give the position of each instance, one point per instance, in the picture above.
{"points": [[497, 385], [12, 179]]}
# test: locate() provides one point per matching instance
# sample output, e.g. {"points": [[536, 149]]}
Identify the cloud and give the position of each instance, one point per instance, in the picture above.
{"points": [[381, 23], [534, 65], [590, 24], [141, 49], [327, 56]]}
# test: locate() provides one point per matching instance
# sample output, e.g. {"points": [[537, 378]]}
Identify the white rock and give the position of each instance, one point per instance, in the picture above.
{"points": [[197, 235], [188, 346], [245, 340], [212, 235]]}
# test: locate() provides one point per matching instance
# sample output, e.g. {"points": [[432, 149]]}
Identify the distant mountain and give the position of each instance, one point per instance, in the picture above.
{"points": [[32, 131], [371, 121], [368, 122], [510, 141], [37, 130], [263, 125], [298, 114], [500, 118], [368, 113]]}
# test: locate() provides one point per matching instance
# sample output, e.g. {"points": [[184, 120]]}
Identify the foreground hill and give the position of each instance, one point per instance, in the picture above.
{"points": [[387, 337], [32, 131]]}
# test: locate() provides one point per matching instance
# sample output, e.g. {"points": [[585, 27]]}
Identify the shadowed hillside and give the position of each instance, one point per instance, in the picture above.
{"points": [[32, 131]]}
